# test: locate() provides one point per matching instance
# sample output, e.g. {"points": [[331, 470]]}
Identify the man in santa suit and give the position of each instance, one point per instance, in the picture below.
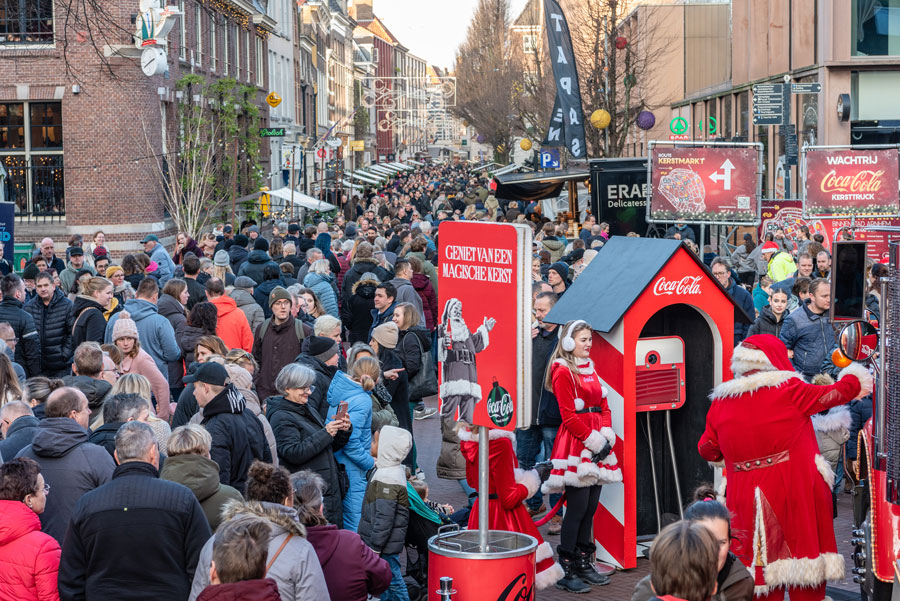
{"points": [[779, 486], [457, 348]]}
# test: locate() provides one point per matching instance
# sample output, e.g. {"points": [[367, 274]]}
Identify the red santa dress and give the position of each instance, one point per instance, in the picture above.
{"points": [[585, 430], [779, 486], [509, 487]]}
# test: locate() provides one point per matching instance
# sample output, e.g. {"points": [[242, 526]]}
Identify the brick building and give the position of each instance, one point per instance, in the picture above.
{"points": [[78, 131]]}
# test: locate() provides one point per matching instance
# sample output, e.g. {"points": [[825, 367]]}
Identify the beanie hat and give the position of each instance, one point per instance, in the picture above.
{"points": [[350, 231], [241, 240], [100, 253], [386, 335], [577, 254], [243, 281], [30, 272], [253, 228], [124, 327], [293, 228], [278, 294], [769, 247], [221, 258], [562, 269], [322, 348], [112, 269], [261, 244]]}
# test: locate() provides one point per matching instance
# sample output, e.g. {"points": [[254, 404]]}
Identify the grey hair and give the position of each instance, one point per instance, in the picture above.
{"points": [[320, 266], [425, 227], [133, 441], [337, 245], [15, 409], [312, 252], [347, 246], [282, 226], [289, 246], [325, 324], [122, 407], [190, 439], [294, 375], [309, 488]]}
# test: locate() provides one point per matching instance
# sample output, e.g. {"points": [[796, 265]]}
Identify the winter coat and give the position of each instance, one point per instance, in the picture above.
{"points": [[156, 334], [743, 300], [385, 509], [144, 365], [261, 295], [188, 342], [263, 589], [687, 233], [356, 310], [741, 260], [303, 443], [407, 294], [246, 303], [232, 326], [201, 475], [860, 413], [545, 409], [429, 269], [88, 321], [357, 269], [734, 580], [352, 570], [273, 348], [196, 292], [105, 436], [70, 465], [324, 375], [189, 247], [781, 267], [413, 343], [380, 318], [810, 336], [296, 569], [295, 260], [832, 431], [356, 455], [760, 297], [28, 350], [18, 436], [238, 255], [344, 262], [450, 464], [237, 437], [782, 510], [29, 559], [767, 323], [166, 267], [554, 247], [135, 510], [95, 390], [428, 296], [321, 284], [256, 263], [170, 308], [54, 327]]}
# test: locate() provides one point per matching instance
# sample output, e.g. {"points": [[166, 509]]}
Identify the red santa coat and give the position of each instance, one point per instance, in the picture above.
{"points": [[509, 487], [779, 487]]}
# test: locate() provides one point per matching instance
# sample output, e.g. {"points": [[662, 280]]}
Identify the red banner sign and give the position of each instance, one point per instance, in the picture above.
{"points": [[852, 182], [704, 185], [484, 333]]}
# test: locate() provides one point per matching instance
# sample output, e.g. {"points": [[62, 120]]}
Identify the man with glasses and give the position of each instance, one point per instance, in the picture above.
{"points": [[742, 298]]}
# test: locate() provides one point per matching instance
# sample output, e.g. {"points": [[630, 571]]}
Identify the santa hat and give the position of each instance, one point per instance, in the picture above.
{"points": [[768, 247], [762, 352]]}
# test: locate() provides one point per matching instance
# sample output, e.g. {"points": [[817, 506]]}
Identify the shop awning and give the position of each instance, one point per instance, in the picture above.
{"points": [[383, 171], [389, 168], [415, 163], [536, 186], [302, 200], [505, 169], [364, 177], [373, 175], [402, 166]]}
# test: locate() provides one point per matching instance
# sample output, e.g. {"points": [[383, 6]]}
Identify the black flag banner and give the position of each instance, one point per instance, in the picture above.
{"points": [[568, 118], [556, 132]]}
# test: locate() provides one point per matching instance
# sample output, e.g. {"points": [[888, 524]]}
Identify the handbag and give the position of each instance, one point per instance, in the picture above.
{"points": [[424, 383]]}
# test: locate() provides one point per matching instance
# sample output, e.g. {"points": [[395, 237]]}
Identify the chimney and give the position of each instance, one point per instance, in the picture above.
{"points": [[364, 10]]}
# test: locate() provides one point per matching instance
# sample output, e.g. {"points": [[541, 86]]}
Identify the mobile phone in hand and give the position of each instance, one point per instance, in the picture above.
{"points": [[341, 410]]}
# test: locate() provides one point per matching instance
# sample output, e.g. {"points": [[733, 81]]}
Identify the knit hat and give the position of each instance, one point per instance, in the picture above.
{"points": [[242, 240], [100, 253], [278, 294], [261, 244], [562, 269], [322, 348], [112, 269], [386, 335], [124, 327], [768, 247], [243, 281], [221, 258], [253, 228], [350, 231], [30, 272], [577, 254]]}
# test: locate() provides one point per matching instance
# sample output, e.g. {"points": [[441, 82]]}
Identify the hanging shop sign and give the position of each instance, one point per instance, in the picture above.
{"points": [[851, 182]]}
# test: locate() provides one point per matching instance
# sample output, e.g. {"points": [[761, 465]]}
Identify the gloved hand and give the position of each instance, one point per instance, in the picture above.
{"points": [[543, 470], [603, 454]]}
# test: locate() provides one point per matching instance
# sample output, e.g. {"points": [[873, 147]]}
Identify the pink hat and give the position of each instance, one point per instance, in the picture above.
{"points": [[153, 266], [768, 247]]}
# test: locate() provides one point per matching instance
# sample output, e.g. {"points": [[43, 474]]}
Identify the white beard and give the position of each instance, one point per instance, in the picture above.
{"points": [[459, 331]]}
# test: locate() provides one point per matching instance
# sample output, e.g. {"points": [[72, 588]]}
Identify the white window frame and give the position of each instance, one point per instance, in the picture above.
{"points": [[213, 51], [247, 51], [375, 54], [198, 32], [260, 62], [182, 48], [237, 52], [226, 51]]}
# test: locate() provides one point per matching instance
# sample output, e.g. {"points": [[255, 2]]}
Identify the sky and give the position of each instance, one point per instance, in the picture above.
{"points": [[432, 29]]}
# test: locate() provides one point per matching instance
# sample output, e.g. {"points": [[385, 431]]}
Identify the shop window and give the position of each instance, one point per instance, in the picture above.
{"points": [[26, 21], [742, 128], [31, 157], [725, 126], [875, 27]]}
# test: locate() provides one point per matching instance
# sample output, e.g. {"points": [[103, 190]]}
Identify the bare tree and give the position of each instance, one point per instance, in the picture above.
{"points": [[87, 31], [534, 88]]}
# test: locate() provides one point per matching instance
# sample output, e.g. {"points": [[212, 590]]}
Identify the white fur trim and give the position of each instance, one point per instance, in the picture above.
{"points": [[804, 571], [584, 369], [590, 474], [579, 404], [485, 335], [745, 384], [609, 434], [496, 433], [549, 577], [760, 551], [466, 436], [559, 464], [715, 464], [460, 388], [554, 484], [837, 418], [544, 551], [610, 459], [825, 470], [605, 391], [595, 441], [530, 480], [862, 374], [745, 359], [720, 492]]}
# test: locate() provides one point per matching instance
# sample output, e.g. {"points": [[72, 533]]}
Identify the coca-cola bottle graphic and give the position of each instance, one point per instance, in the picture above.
{"points": [[499, 406]]}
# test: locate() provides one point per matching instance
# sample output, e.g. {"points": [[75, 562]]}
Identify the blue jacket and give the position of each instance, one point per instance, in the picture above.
{"points": [[156, 334], [380, 318], [18, 436], [810, 336], [356, 455], [745, 302], [166, 265], [321, 285]]}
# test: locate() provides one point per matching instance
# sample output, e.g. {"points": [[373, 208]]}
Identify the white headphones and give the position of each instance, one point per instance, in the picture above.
{"points": [[568, 343]]}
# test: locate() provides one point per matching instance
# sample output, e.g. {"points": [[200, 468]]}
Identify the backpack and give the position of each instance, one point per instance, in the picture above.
{"points": [[298, 329]]}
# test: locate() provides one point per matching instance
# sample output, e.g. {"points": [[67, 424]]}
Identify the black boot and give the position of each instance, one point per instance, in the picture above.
{"points": [[570, 582], [585, 568]]}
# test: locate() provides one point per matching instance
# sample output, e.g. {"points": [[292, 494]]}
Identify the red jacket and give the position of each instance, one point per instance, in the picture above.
{"points": [[425, 290], [29, 559], [245, 590], [233, 328]]}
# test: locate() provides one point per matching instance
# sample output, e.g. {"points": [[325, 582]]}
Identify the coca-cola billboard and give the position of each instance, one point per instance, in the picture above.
{"points": [[704, 185], [852, 182]]}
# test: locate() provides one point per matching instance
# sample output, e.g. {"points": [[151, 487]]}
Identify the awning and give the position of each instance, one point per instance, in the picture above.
{"points": [[350, 184], [536, 186], [415, 163], [402, 166], [377, 177], [364, 177], [504, 170], [389, 167], [302, 200], [383, 171], [485, 166]]}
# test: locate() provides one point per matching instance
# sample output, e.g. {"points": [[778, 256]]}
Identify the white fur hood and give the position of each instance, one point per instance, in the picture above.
{"points": [[837, 418], [744, 384]]}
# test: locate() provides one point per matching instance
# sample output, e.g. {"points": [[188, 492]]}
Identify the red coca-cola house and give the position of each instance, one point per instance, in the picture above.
{"points": [[663, 333]]}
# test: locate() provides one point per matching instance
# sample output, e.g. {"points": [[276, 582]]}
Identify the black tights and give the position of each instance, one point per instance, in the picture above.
{"points": [[581, 503]]}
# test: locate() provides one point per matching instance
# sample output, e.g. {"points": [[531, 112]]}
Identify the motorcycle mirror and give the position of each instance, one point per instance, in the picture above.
{"points": [[859, 340]]}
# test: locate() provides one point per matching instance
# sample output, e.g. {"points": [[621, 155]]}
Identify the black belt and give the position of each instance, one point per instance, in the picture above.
{"points": [[493, 497], [590, 410]]}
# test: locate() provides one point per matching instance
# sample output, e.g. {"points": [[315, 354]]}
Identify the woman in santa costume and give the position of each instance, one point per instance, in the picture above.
{"points": [[779, 486], [582, 458], [509, 487]]}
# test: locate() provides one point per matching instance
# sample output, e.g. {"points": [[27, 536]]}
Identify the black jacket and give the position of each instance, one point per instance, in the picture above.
{"points": [[18, 436], [95, 390], [54, 327], [409, 352], [294, 260], [357, 269], [196, 292], [766, 323], [28, 350], [356, 310], [303, 443], [134, 511], [237, 437], [545, 408], [105, 436], [256, 262], [89, 322], [237, 255], [170, 308], [324, 374]]}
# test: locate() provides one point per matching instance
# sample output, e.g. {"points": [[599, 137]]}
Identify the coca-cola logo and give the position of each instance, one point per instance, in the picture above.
{"points": [[517, 590], [499, 406], [861, 181], [686, 285]]}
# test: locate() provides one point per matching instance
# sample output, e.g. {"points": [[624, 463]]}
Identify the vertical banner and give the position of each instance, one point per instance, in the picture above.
{"points": [[484, 333], [568, 94], [7, 229]]}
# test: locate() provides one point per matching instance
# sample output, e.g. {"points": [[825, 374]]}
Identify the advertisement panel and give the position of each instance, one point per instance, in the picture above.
{"points": [[484, 333], [619, 194], [851, 182], [7, 229], [704, 185]]}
